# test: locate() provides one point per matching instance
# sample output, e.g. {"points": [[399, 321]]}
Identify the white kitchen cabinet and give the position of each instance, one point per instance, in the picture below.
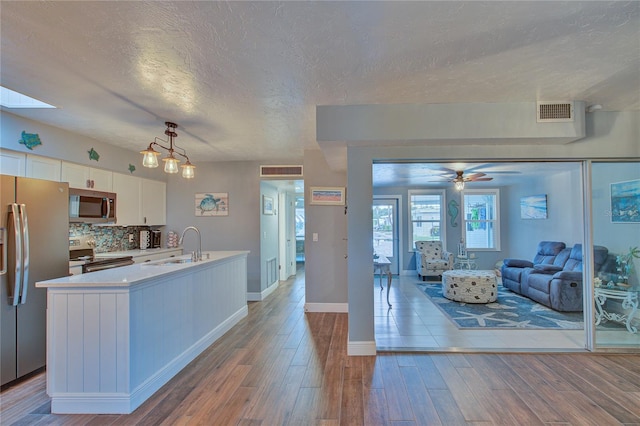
{"points": [[80, 176], [140, 201], [154, 202], [12, 163], [43, 168], [128, 191]]}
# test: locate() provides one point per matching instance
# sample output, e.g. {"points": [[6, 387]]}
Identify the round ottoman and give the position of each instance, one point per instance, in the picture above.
{"points": [[469, 286]]}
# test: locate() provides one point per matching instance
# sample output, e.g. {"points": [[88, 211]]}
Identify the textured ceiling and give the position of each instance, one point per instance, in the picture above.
{"points": [[242, 79]]}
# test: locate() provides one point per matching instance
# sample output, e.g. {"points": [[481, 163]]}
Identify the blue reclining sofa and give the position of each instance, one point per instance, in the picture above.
{"points": [[554, 277]]}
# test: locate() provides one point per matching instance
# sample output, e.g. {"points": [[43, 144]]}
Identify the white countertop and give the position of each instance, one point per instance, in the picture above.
{"points": [[135, 253], [130, 275]]}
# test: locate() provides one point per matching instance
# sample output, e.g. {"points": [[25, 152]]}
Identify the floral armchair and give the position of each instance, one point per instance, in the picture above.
{"points": [[431, 259]]}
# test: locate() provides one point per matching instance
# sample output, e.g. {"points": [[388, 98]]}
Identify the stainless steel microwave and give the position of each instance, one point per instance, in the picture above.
{"points": [[88, 206]]}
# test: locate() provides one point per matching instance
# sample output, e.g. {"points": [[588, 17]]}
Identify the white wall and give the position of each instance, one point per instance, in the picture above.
{"points": [[564, 221], [325, 263], [240, 230]]}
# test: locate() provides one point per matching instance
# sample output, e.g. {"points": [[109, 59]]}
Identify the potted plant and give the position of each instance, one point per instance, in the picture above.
{"points": [[624, 265]]}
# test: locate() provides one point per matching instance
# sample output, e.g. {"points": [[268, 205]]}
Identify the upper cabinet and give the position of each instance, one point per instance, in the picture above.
{"points": [[140, 201], [128, 202], [154, 202], [43, 168], [80, 176], [12, 163], [27, 165]]}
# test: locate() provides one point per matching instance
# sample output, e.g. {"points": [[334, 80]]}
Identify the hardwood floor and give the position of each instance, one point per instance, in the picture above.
{"points": [[280, 366]]}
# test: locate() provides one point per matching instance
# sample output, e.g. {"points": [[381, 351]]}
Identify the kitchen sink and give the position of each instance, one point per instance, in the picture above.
{"points": [[168, 262]]}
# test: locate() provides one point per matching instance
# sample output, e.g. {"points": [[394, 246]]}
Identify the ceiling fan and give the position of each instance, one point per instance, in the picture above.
{"points": [[460, 179]]}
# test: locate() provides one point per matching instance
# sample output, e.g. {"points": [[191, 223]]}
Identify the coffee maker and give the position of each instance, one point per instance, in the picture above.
{"points": [[156, 239]]}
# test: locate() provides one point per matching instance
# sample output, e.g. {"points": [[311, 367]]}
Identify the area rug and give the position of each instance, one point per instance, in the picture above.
{"points": [[510, 310]]}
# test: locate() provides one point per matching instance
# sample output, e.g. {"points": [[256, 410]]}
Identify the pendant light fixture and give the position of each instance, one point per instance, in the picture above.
{"points": [[150, 158]]}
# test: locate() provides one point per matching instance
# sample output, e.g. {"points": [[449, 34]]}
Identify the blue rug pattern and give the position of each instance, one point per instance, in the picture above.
{"points": [[510, 311]]}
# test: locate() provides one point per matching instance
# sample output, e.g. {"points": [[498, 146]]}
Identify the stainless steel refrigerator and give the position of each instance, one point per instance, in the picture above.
{"points": [[35, 247]]}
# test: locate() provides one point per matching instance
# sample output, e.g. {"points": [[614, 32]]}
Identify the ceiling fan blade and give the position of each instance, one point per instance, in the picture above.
{"points": [[475, 176], [481, 179], [436, 167]]}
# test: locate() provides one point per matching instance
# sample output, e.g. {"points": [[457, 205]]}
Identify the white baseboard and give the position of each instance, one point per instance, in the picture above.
{"points": [[257, 297], [326, 307], [366, 348]]}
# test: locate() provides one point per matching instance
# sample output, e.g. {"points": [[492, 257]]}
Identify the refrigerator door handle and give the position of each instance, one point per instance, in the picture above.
{"points": [[3, 244], [17, 235], [25, 253]]}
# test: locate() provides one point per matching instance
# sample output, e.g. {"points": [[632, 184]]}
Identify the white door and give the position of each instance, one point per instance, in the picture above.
{"points": [[386, 231]]}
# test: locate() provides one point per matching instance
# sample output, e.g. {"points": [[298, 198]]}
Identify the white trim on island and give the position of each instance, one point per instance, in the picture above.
{"points": [[116, 336]]}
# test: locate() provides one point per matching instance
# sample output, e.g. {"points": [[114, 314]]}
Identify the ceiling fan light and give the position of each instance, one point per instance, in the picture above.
{"points": [[150, 158], [459, 185], [170, 164]]}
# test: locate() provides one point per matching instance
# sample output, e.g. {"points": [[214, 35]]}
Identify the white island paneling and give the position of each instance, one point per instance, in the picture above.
{"points": [[116, 336]]}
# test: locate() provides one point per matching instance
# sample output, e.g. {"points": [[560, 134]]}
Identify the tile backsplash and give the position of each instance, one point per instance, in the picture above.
{"points": [[109, 238]]}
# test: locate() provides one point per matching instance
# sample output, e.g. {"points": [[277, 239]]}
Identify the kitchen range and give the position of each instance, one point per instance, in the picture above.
{"points": [[82, 258]]}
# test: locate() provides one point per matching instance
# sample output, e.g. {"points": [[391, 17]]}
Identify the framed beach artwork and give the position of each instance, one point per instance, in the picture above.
{"points": [[533, 207], [267, 205], [212, 204], [625, 202], [327, 196]]}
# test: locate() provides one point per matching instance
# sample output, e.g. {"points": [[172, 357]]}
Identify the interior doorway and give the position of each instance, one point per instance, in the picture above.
{"points": [[280, 227]]}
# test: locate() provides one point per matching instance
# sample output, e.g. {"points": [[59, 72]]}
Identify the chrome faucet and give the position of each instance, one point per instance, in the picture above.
{"points": [[197, 255]]}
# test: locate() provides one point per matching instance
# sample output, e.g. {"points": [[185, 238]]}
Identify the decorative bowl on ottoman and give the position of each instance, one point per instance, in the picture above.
{"points": [[470, 286]]}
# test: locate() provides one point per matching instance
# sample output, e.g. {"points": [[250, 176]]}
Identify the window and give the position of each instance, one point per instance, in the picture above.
{"points": [[481, 219], [426, 217]]}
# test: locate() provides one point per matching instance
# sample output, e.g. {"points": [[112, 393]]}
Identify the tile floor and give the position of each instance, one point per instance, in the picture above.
{"points": [[414, 323]]}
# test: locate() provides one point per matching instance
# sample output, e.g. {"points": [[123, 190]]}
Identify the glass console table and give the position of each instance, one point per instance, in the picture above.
{"points": [[629, 298]]}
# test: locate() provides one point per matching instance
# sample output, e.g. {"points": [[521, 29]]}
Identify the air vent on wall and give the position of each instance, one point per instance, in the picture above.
{"points": [[280, 171], [555, 112]]}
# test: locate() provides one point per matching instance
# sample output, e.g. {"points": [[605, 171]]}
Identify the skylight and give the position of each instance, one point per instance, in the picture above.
{"points": [[11, 99]]}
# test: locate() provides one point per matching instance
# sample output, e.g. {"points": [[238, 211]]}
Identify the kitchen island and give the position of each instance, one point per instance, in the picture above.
{"points": [[115, 337]]}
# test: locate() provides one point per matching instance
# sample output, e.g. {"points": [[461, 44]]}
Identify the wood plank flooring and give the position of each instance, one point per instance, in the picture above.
{"points": [[280, 366]]}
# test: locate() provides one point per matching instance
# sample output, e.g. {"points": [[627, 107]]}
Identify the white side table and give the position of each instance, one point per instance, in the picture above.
{"points": [[629, 299]]}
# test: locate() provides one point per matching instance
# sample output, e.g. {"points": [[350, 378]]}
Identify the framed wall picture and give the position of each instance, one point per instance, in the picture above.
{"points": [[212, 204], [327, 196], [533, 207], [625, 202], [267, 205]]}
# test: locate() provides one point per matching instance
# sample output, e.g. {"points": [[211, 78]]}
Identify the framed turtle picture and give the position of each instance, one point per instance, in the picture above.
{"points": [[212, 204]]}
